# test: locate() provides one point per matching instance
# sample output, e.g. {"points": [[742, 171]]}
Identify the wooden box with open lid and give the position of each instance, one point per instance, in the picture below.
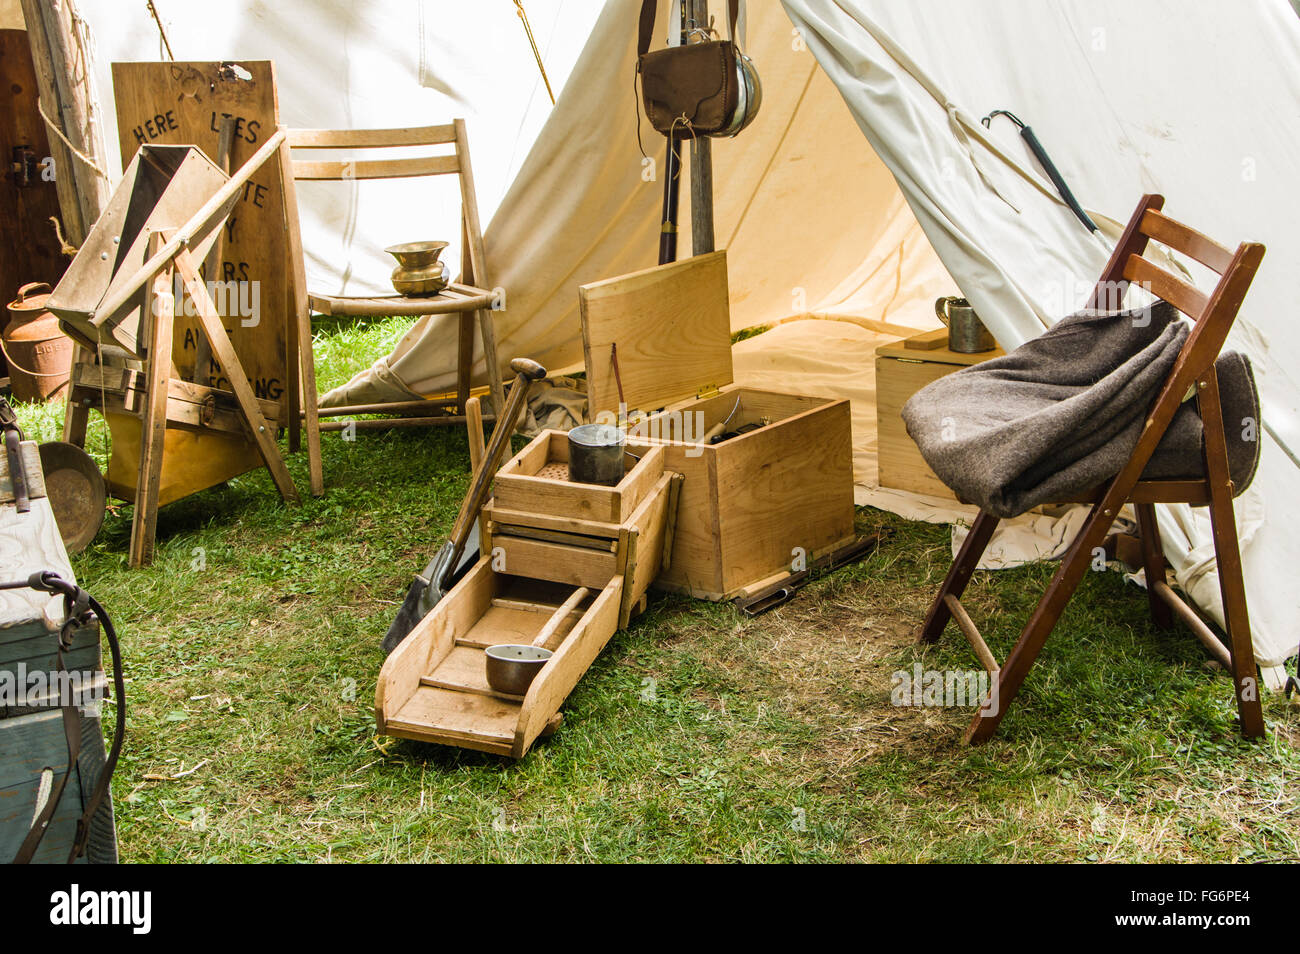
{"points": [[657, 347]]}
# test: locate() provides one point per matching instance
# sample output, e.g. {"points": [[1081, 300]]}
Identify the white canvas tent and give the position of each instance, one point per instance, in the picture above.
{"points": [[865, 188]]}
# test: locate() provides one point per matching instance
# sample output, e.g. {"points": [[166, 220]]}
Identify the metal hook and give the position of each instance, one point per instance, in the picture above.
{"points": [[1002, 112]]}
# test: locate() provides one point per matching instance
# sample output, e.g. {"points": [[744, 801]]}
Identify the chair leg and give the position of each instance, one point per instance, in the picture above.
{"points": [[1232, 586], [1064, 582], [959, 574], [464, 358], [1153, 561]]}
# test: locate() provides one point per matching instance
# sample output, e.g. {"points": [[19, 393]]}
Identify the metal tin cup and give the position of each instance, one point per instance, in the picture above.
{"points": [[596, 453], [966, 333]]}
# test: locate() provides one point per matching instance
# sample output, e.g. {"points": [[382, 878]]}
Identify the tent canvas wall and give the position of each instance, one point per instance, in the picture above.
{"points": [[864, 189]]}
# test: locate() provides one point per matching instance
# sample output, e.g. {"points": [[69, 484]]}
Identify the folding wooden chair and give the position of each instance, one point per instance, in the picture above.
{"points": [[465, 297], [1213, 316]]}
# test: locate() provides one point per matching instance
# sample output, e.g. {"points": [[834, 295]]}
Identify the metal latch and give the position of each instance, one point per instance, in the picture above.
{"points": [[24, 165]]}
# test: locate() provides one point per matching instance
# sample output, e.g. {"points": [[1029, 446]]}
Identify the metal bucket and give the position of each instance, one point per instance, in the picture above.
{"points": [[512, 667], [596, 453], [39, 354], [966, 333]]}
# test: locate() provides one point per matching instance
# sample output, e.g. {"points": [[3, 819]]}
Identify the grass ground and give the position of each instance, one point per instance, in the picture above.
{"points": [[252, 646]]}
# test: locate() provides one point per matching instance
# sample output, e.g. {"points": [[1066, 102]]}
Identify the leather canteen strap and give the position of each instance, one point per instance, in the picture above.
{"points": [[648, 23]]}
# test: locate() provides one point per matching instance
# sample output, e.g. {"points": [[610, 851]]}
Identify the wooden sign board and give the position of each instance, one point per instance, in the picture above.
{"points": [[185, 103]]}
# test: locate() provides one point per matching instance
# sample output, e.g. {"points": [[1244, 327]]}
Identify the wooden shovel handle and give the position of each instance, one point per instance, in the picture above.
{"points": [[525, 373], [559, 616]]}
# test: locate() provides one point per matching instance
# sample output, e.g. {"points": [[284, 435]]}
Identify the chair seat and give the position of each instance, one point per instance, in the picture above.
{"points": [[1193, 491], [454, 298]]}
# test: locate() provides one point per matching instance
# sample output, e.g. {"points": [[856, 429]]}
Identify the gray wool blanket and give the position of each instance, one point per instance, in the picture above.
{"points": [[1062, 413]]}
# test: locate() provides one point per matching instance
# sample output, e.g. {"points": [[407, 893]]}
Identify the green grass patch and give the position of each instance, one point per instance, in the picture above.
{"points": [[252, 647]]}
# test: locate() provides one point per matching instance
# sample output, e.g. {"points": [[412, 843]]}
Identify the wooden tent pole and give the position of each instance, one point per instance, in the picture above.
{"points": [[64, 80], [702, 241]]}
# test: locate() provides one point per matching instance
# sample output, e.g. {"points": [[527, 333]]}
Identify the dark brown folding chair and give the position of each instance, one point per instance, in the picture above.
{"points": [[1213, 316]]}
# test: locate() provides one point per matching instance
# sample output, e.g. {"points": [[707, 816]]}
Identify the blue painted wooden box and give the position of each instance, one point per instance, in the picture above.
{"points": [[32, 740]]}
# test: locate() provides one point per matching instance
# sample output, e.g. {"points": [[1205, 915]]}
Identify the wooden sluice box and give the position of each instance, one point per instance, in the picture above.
{"points": [[657, 345], [544, 539]]}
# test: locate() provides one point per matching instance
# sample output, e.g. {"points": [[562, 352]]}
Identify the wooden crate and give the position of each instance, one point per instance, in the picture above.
{"points": [[657, 345], [902, 369], [543, 537]]}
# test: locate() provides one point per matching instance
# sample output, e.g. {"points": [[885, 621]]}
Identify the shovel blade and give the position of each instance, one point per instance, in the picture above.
{"points": [[428, 588]]}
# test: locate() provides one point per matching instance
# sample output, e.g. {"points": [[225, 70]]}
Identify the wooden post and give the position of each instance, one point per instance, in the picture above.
{"points": [[702, 241], [160, 317], [65, 74], [59, 57]]}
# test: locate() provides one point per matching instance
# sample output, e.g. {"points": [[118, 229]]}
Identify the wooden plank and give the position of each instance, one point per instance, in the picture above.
{"points": [[313, 169], [646, 545], [371, 138], [302, 356], [1154, 279], [453, 298], [193, 459], [899, 463], [785, 486], [467, 719], [223, 350], [1182, 238], [494, 513], [431, 640], [473, 263], [540, 560], [153, 429], [672, 328], [570, 662], [516, 491], [603, 544], [185, 400]]}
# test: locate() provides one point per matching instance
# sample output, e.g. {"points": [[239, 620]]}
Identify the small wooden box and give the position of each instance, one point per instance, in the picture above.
{"points": [[657, 345], [902, 369]]}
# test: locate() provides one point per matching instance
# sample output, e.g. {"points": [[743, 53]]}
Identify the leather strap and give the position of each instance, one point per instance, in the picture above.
{"points": [[647, 29], [72, 734], [80, 608]]}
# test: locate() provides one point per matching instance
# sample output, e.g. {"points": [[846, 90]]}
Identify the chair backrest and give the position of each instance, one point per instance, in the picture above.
{"points": [[382, 168], [1212, 314], [453, 162]]}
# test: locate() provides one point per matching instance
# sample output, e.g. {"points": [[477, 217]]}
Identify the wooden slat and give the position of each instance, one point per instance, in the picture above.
{"points": [[375, 168], [972, 634], [1165, 593], [1187, 299], [371, 138], [526, 518], [539, 560], [452, 298], [1192, 491], [1182, 238]]}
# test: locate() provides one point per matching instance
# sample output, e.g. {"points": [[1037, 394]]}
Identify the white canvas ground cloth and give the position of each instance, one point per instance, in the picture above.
{"points": [[865, 162]]}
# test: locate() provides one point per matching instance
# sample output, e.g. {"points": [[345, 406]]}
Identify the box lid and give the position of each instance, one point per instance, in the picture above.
{"points": [[658, 336], [931, 347]]}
